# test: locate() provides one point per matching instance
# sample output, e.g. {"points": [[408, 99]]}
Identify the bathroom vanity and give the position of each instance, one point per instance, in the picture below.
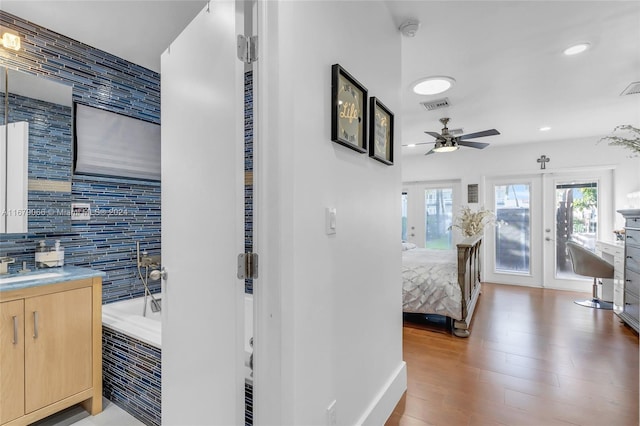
{"points": [[50, 343]]}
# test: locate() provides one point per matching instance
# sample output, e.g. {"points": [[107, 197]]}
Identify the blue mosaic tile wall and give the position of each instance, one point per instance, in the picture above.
{"points": [[126, 211], [248, 169], [132, 375]]}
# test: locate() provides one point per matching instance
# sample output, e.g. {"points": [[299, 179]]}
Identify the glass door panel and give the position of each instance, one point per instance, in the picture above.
{"points": [[576, 220], [513, 235], [438, 209], [405, 208]]}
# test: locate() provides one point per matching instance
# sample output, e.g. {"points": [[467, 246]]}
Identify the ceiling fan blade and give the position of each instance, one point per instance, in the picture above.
{"points": [[434, 134], [430, 152], [479, 145], [418, 143], [491, 132]]}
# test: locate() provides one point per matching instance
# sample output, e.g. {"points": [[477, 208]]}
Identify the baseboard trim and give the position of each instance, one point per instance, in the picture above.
{"points": [[386, 400]]}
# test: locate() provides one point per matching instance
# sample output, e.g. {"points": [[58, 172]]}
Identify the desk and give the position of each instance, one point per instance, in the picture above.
{"points": [[613, 289]]}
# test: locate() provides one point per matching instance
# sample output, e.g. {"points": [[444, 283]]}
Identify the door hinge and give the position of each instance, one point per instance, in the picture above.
{"points": [[248, 49], [247, 265]]}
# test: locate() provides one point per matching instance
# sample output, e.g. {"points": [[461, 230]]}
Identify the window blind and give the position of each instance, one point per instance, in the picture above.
{"points": [[111, 144]]}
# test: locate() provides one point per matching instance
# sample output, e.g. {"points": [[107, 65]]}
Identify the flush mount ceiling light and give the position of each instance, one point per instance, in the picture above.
{"points": [[544, 128], [433, 85], [576, 48]]}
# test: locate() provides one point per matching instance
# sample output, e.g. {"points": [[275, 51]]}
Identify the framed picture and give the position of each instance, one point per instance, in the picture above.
{"points": [[348, 110], [381, 133]]}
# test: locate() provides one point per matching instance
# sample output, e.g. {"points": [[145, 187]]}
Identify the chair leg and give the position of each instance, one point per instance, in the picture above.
{"points": [[595, 303]]}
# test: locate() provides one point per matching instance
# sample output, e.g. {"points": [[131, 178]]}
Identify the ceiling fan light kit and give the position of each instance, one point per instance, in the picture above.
{"points": [[446, 147], [433, 85]]}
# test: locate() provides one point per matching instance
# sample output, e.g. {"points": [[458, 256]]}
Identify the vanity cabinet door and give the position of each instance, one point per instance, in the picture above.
{"points": [[58, 346], [11, 360]]}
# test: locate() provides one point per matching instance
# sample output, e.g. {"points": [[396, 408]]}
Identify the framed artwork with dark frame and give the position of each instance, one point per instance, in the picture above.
{"points": [[348, 110], [381, 132]]}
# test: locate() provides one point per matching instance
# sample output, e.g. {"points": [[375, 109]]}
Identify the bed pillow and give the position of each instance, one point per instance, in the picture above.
{"points": [[408, 246]]}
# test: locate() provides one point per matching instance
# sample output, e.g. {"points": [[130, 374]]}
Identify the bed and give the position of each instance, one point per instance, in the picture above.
{"points": [[443, 282]]}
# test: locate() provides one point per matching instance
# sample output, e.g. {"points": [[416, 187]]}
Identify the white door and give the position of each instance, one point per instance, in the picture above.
{"points": [[428, 209], [514, 248], [576, 204], [202, 222], [539, 213]]}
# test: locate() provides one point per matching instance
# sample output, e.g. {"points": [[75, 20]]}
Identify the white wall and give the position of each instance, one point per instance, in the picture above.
{"points": [[331, 304], [472, 166]]}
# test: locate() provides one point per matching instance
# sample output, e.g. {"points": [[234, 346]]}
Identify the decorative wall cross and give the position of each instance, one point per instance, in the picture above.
{"points": [[543, 160]]}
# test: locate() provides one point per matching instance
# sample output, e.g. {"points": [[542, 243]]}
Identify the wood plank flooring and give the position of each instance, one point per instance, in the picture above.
{"points": [[533, 358]]}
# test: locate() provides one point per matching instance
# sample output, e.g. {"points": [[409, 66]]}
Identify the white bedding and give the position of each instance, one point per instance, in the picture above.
{"points": [[430, 282]]}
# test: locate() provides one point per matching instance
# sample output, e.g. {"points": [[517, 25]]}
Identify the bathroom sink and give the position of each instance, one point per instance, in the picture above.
{"points": [[19, 278]]}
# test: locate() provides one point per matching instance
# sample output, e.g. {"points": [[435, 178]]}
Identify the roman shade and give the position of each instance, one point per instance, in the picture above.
{"points": [[110, 144]]}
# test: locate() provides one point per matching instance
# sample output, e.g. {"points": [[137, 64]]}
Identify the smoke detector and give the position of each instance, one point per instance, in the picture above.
{"points": [[409, 28]]}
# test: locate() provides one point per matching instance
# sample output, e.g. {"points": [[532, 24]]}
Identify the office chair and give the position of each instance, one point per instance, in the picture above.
{"points": [[589, 264]]}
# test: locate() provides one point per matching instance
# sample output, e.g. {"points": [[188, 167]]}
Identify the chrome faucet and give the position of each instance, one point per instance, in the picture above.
{"points": [[4, 264]]}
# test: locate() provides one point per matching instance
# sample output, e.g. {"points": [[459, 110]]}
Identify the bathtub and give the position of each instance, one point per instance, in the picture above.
{"points": [[126, 317]]}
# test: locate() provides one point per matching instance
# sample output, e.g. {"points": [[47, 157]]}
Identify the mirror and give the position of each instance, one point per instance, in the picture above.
{"points": [[35, 164]]}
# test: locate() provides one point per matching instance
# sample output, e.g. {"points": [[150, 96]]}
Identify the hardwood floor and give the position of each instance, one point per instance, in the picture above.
{"points": [[533, 358]]}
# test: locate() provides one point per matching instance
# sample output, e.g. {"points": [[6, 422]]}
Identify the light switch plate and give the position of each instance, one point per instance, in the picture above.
{"points": [[330, 220]]}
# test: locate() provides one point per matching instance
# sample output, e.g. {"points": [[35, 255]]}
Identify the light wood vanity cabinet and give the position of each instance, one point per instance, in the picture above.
{"points": [[51, 350]]}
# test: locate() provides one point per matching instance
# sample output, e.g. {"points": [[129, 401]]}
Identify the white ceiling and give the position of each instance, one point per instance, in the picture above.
{"points": [[506, 57]]}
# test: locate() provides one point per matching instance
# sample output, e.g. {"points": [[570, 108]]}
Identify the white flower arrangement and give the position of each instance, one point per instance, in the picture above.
{"points": [[632, 141], [472, 222]]}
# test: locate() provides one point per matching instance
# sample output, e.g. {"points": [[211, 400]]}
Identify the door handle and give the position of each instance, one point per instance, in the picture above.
{"points": [[157, 274]]}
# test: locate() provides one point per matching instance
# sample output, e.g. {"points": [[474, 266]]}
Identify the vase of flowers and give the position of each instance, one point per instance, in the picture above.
{"points": [[471, 222]]}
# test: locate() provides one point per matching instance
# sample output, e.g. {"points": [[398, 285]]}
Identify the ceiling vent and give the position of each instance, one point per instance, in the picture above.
{"points": [[437, 104], [632, 89]]}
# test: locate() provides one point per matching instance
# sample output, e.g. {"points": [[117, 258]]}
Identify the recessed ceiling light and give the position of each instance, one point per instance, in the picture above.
{"points": [[411, 145], [576, 48], [433, 85], [545, 128]]}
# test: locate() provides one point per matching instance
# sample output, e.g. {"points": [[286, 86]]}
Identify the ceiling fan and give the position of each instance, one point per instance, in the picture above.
{"points": [[446, 142]]}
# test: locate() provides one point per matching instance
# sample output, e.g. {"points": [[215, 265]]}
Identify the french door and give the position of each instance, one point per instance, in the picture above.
{"points": [[537, 215], [427, 214]]}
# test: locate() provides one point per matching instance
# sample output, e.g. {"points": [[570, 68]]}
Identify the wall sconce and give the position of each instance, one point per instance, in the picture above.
{"points": [[10, 41]]}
